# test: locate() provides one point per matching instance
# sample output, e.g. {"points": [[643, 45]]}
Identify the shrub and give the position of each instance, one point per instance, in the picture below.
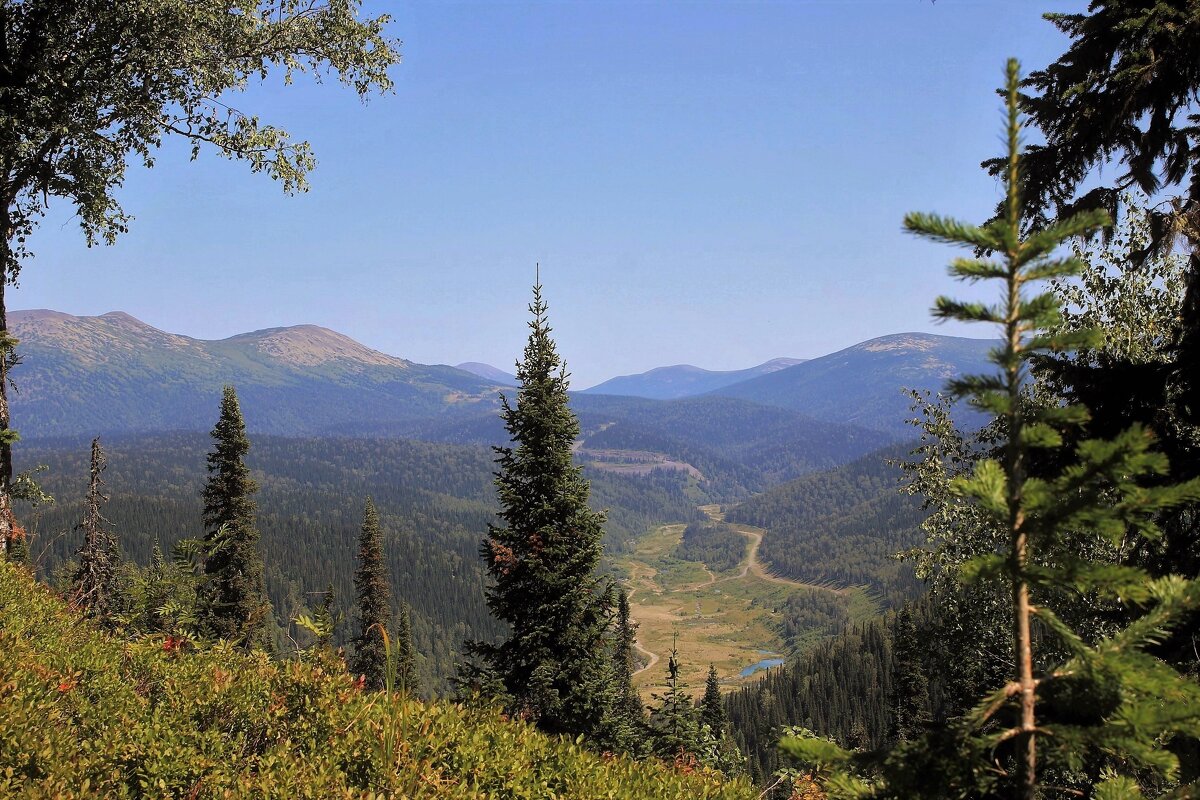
{"points": [[84, 715]]}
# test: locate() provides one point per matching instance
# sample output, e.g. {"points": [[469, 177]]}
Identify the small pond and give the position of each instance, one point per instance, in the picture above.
{"points": [[766, 663]]}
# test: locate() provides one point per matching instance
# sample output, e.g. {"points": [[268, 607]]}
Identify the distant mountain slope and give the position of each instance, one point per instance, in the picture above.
{"points": [[488, 372], [862, 384], [116, 374], [842, 526], [684, 380], [740, 446]]}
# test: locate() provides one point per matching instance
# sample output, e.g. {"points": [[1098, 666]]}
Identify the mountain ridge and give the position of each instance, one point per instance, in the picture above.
{"points": [[113, 373], [683, 380], [304, 344], [865, 384], [488, 371]]}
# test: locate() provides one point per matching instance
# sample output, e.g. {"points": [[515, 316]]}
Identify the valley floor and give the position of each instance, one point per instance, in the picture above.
{"points": [[729, 619]]}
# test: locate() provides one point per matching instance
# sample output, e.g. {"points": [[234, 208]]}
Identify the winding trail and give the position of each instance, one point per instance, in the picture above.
{"points": [[653, 658], [750, 566], [760, 571]]}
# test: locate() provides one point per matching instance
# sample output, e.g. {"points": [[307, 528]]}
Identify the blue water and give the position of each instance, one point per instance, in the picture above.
{"points": [[766, 663]]}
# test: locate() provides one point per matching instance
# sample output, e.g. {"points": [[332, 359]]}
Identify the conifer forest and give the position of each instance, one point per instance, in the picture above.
{"points": [[245, 554]]}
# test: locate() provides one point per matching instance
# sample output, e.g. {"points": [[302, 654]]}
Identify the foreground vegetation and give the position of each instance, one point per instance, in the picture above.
{"points": [[86, 715], [1061, 544]]}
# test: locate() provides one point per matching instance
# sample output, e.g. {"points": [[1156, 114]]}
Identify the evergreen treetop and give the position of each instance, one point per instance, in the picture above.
{"points": [[1117, 110], [623, 646], [374, 598], [555, 665], [234, 597], [712, 708], [628, 718], [675, 720], [406, 654], [228, 493], [96, 585]]}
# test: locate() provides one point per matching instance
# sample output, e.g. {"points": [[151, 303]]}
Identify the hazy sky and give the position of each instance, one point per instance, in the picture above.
{"points": [[705, 183]]}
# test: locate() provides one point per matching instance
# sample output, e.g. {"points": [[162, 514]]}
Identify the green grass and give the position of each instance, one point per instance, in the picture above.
{"points": [[727, 619]]}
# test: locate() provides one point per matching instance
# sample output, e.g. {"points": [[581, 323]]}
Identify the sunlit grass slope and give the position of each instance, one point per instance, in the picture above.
{"points": [[83, 715]]}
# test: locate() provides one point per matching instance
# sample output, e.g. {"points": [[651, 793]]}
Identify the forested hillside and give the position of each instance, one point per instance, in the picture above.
{"points": [[716, 545], [741, 446], [865, 384], [843, 526], [435, 501], [840, 688]]}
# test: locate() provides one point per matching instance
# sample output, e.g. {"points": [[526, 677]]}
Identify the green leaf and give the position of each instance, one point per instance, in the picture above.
{"points": [[1039, 434], [976, 269], [814, 750], [1052, 236], [947, 308], [950, 231]]}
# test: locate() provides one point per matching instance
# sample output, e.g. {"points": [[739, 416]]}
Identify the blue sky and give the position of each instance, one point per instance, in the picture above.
{"points": [[705, 183]]}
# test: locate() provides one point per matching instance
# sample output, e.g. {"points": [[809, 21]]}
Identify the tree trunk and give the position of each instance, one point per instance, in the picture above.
{"points": [[7, 520], [1015, 469], [1187, 350], [1024, 653]]}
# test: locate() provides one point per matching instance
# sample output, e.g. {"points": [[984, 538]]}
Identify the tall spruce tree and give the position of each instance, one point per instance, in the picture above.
{"points": [[712, 709], [1107, 715], [327, 618], [628, 704], [95, 586], [374, 592], [910, 688], [675, 720], [233, 597], [628, 718], [1118, 111], [406, 653], [554, 666]]}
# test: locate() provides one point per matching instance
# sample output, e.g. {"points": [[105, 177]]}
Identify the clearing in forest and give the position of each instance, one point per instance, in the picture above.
{"points": [[729, 619]]}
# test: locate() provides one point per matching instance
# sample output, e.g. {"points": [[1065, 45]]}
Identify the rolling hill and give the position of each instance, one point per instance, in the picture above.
{"points": [[684, 380], [842, 526], [863, 385], [488, 372], [116, 374], [113, 374], [741, 447], [734, 447]]}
